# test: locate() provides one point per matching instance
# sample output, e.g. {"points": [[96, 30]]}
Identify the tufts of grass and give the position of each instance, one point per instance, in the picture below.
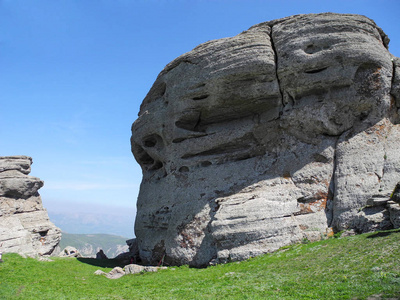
{"points": [[339, 268]]}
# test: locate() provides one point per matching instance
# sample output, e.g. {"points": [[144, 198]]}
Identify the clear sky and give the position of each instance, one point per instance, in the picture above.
{"points": [[74, 72]]}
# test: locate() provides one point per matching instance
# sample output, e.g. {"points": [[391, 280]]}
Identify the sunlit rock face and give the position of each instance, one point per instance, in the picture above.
{"points": [[25, 227], [279, 134]]}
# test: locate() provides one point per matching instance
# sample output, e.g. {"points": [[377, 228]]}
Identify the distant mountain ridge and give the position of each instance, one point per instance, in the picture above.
{"points": [[90, 244]]}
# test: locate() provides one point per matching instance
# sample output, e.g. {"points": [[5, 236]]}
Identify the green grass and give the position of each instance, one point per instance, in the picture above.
{"points": [[338, 268]]}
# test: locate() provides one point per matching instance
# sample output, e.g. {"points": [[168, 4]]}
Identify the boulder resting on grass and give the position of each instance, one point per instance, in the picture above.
{"points": [[257, 141]]}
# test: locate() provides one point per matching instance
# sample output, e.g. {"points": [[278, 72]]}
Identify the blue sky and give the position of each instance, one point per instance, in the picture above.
{"points": [[73, 74]]}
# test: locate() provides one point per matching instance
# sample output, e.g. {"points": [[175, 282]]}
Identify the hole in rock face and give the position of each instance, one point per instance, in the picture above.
{"points": [[178, 140], [183, 169], [157, 165], [286, 175], [205, 163], [200, 97], [144, 159], [363, 115], [312, 48], [152, 141], [142, 156], [43, 233], [318, 70]]}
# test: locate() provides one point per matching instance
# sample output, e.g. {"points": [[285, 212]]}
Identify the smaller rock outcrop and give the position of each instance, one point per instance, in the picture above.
{"points": [[70, 251], [25, 227], [101, 255]]}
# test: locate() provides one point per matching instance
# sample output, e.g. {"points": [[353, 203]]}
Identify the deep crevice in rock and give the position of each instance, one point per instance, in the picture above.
{"points": [[221, 149], [394, 85], [384, 167], [276, 65], [314, 71], [329, 211]]}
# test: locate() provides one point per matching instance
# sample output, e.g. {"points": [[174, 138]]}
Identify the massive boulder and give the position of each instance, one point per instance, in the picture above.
{"points": [[25, 227], [279, 134]]}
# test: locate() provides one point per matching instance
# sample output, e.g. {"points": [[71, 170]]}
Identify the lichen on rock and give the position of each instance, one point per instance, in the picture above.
{"points": [[254, 142]]}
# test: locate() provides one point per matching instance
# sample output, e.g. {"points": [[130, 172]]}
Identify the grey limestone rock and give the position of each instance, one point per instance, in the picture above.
{"points": [[25, 227], [115, 273], [118, 272], [135, 269], [257, 141], [100, 272]]}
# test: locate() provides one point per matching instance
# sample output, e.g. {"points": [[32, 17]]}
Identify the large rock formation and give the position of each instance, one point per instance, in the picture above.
{"points": [[25, 227], [278, 134]]}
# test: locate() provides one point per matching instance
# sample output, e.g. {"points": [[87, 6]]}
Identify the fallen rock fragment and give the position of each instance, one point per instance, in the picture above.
{"points": [[100, 272], [115, 273], [44, 258], [118, 272]]}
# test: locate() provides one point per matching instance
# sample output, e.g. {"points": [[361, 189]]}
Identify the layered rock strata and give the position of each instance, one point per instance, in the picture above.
{"points": [[281, 133], [25, 227]]}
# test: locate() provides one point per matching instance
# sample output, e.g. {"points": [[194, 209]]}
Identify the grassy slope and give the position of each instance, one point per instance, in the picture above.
{"points": [[107, 242], [345, 268]]}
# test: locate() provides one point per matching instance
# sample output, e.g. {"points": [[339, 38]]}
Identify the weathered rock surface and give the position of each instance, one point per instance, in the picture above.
{"points": [[25, 227], [118, 272], [254, 142], [115, 273], [135, 269]]}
